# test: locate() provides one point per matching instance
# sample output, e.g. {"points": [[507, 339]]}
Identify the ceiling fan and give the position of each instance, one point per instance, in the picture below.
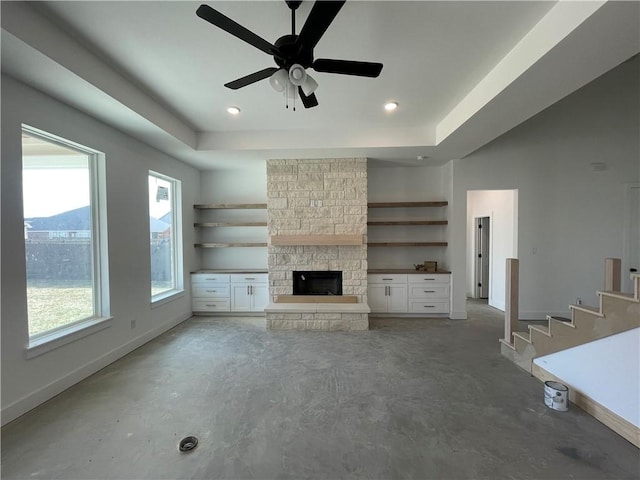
{"points": [[293, 53]]}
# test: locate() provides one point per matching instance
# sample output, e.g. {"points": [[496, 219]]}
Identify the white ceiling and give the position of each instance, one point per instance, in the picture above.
{"points": [[462, 72]]}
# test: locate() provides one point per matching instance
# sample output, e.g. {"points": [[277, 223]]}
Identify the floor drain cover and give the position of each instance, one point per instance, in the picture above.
{"points": [[188, 443]]}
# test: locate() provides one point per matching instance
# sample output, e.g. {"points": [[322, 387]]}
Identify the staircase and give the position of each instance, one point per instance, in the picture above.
{"points": [[617, 312]]}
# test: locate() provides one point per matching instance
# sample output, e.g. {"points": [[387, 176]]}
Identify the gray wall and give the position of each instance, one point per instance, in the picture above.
{"points": [[568, 214], [28, 382]]}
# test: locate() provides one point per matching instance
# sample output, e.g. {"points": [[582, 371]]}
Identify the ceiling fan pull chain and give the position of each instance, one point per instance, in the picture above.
{"points": [[286, 95]]}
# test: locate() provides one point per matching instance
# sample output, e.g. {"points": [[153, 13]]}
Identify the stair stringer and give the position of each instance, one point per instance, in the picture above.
{"points": [[617, 312]]}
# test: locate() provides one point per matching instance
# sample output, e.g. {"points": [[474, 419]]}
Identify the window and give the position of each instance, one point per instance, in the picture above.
{"points": [[166, 244], [62, 236]]}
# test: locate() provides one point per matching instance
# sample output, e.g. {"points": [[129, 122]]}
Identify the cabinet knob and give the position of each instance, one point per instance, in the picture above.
{"points": [[429, 291]]}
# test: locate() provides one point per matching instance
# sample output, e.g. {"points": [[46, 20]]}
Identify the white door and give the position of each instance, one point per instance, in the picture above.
{"points": [[631, 248], [377, 298], [240, 298], [397, 298], [259, 297]]}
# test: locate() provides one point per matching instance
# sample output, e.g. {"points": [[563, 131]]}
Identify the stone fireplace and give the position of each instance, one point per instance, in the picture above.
{"points": [[320, 207]]}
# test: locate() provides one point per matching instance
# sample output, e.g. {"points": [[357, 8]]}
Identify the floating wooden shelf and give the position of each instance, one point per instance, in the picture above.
{"points": [[407, 244], [219, 206], [230, 224], [407, 222], [407, 204], [298, 240], [225, 245]]}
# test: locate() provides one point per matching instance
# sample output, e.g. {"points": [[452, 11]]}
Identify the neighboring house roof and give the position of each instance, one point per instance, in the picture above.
{"points": [[158, 226], [80, 219], [76, 219]]}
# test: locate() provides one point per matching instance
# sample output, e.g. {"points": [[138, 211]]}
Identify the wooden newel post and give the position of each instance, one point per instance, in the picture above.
{"points": [[511, 307], [612, 274]]}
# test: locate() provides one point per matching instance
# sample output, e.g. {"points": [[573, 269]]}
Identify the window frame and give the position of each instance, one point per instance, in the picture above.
{"points": [[177, 260], [48, 340]]}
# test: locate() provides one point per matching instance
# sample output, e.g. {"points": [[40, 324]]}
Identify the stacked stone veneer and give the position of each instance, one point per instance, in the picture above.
{"points": [[324, 197]]}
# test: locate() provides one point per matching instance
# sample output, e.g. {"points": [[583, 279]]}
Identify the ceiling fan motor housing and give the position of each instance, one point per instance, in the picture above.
{"points": [[289, 54]]}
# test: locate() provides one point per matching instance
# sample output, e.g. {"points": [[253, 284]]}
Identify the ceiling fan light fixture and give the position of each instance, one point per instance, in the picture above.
{"points": [[297, 75], [390, 106], [309, 85], [279, 80], [233, 110]]}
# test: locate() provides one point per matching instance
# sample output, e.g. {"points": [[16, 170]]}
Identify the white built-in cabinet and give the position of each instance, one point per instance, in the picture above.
{"points": [[229, 292], [428, 293], [249, 292], [210, 292], [419, 292], [387, 293]]}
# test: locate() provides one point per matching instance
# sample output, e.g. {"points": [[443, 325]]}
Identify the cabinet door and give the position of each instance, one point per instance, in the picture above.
{"points": [[240, 298], [397, 298], [259, 297], [377, 298]]}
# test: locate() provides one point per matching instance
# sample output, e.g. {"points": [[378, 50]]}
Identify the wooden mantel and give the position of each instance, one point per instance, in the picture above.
{"points": [[298, 240]]}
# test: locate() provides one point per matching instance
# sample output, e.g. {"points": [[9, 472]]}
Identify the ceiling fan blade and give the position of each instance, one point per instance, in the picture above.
{"points": [[321, 15], [252, 78], [347, 67], [308, 101], [225, 23]]}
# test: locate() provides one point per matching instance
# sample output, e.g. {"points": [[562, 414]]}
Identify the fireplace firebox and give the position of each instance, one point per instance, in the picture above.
{"points": [[317, 282]]}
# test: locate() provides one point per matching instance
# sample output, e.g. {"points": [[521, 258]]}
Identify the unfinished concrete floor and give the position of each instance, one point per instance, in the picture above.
{"points": [[414, 399]]}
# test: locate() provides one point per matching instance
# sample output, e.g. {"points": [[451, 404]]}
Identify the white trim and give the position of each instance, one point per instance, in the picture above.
{"points": [[60, 337], [32, 400], [177, 260], [166, 297]]}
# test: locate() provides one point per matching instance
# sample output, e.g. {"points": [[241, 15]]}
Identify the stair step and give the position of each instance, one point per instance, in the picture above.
{"points": [[523, 335], [558, 318], [624, 296], [587, 308], [504, 342], [540, 328], [555, 321]]}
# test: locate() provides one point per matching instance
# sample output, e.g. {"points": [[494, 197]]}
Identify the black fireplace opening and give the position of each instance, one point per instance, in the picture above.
{"points": [[317, 283]]}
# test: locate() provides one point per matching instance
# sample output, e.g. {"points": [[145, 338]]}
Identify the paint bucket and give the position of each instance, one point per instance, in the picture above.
{"points": [[556, 396]]}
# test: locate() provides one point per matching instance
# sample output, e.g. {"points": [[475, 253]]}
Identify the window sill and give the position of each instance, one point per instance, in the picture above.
{"points": [[59, 338], [166, 297]]}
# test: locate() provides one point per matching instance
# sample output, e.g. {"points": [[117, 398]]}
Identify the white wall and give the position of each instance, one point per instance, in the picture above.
{"points": [[568, 214], [406, 184], [26, 383], [502, 209], [247, 185]]}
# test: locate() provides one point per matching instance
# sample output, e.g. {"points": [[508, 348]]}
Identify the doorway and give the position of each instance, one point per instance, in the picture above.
{"points": [[631, 247], [482, 255], [497, 240]]}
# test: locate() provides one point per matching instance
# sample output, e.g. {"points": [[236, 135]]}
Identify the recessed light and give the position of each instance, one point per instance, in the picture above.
{"points": [[233, 110], [391, 106]]}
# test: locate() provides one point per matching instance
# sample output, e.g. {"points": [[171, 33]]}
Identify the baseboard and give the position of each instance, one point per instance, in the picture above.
{"points": [[38, 397], [615, 422]]}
